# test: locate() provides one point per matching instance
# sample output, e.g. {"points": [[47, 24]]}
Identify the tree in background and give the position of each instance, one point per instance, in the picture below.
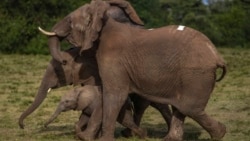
{"points": [[225, 22], [150, 12], [232, 23], [20, 19]]}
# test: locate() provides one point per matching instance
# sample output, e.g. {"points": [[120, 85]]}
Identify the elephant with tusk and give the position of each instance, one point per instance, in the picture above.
{"points": [[120, 12], [83, 70], [58, 75], [80, 70], [173, 65]]}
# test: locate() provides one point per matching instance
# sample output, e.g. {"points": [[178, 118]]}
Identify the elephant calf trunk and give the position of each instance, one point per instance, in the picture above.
{"points": [[53, 117], [21, 124]]}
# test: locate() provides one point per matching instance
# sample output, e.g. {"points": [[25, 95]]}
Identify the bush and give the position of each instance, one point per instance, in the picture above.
{"points": [[226, 22], [21, 19]]}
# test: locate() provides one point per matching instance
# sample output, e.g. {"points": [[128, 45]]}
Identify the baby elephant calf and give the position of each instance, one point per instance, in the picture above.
{"points": [[87, 99]]}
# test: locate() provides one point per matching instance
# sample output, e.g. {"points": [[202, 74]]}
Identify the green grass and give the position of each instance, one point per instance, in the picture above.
{"points": [[20, 77]]}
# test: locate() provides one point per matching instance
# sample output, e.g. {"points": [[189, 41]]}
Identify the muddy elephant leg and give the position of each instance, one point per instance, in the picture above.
{"points": [[175, 132], [126, 119], [216, 129], [93, 125], [82, 123]]}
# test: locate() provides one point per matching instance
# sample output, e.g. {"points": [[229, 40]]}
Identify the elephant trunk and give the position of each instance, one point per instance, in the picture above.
{"points": [[54, 47], [54, 116], [41, 95]]}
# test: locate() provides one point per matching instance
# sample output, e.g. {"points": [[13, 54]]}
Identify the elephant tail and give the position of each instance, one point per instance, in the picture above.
{"points": [[224, 71]]}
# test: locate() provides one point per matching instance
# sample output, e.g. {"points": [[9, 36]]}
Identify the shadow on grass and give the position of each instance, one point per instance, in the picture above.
{"points": [[155, 131], [62, 130], [159, 131]]}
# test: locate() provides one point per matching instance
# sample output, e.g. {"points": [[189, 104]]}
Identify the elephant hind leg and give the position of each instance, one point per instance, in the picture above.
{"points": [[194, 98], [216, 129], [175, 132], [195, 110]]}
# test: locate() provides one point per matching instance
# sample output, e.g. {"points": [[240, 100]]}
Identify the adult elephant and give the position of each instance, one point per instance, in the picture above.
{"points": [[79, 70], [58, 75], [171, 65], [83, 70]]}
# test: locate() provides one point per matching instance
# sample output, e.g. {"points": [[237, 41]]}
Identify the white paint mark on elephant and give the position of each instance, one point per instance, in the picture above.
{"points": [[150, 29], [180, 27]]}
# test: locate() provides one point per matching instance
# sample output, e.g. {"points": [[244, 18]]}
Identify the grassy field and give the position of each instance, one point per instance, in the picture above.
{"points": [[20, 77]]}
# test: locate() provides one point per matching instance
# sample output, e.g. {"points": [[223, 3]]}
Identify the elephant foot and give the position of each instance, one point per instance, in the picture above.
{"points": [[218, 134], [85, 136], [141, 133], [126, 133], [174, 135], [169, 138], [106, 139]]}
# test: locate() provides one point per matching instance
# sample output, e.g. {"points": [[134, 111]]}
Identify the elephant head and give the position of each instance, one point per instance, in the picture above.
{"points": [[81, 27], [79, 70]]}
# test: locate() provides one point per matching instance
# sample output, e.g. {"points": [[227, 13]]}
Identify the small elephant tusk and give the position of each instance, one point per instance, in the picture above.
{"points": [[49, 90], [46, 32]]}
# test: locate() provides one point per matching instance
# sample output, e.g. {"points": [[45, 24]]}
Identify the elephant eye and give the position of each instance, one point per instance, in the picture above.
{"points": [[67, 101]]}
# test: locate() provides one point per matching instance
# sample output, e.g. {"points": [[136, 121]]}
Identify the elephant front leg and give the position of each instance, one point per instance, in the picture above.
{"points": [[93, 125], [112, 103], [81, 124], [175, 132]]}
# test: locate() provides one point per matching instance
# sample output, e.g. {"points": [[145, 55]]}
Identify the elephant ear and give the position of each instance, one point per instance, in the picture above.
{"points": [[126, 6], [79, 22], [97, 12], [81, 18]]}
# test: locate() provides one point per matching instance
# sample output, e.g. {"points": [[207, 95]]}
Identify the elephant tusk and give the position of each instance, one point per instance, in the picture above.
{"points": [[49, 90], [46, 32]]}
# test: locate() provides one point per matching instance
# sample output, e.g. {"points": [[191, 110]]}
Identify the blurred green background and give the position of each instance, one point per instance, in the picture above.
{"points": [[225, 22]]}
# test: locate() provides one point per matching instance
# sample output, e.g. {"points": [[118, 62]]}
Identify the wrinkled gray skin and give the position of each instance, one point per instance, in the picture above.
{"points": [[87, 99], [84, 70], [167, 65]]}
